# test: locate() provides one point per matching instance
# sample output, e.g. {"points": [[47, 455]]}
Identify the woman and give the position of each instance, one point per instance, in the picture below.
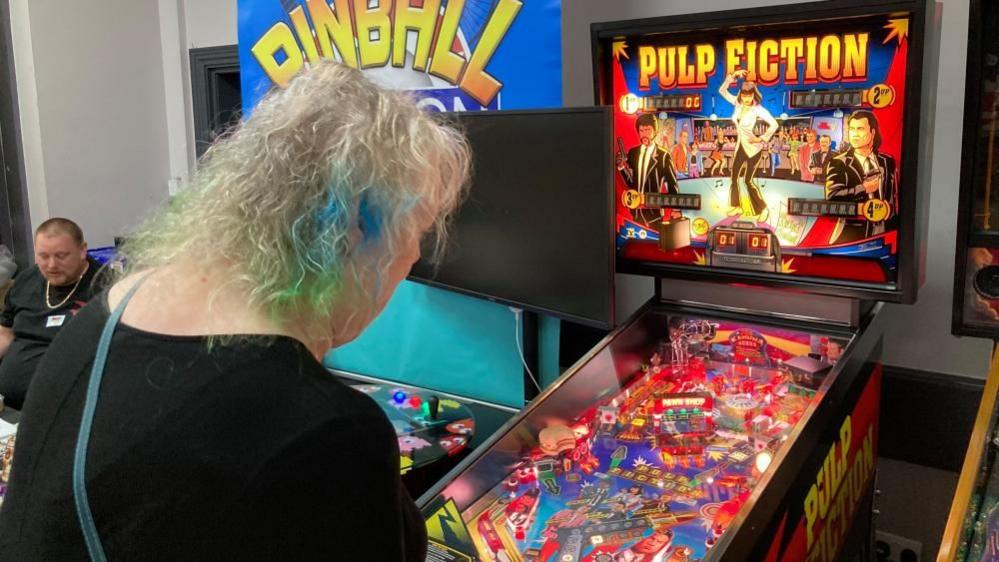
{"points": [[696, 160], [717, 160], [792, 151], [216, 432], [749, 147]]}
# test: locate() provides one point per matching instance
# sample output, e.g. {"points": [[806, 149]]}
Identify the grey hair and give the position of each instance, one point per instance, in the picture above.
{"points": [[319, 187]]}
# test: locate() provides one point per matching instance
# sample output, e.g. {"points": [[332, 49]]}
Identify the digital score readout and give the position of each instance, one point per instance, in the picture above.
{"points": [[743, 245], [758, 244], [674, 102], [684, 201], [826, 99], [633, 199], [726, 241], [822, 208]]}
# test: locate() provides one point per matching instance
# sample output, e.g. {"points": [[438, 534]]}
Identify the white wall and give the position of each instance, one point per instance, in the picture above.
{"points": [[90, 89], [918, 336], [185, 25], [210, 23]]}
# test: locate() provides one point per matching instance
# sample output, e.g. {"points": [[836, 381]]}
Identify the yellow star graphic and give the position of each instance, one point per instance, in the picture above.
{"points": [[899, 28], [619, 49], [785, 266]]}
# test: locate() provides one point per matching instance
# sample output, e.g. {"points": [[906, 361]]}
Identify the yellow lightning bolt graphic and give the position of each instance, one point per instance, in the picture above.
{"points": [[899, 29], [620, 50], [447, 521]]}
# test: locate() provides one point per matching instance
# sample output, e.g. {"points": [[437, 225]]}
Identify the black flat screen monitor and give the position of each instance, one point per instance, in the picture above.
{"points": [[535, 230]]}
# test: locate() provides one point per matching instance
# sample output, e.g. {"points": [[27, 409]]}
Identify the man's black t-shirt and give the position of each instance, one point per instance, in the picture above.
{"points": [[35, 325], [249, 451]]}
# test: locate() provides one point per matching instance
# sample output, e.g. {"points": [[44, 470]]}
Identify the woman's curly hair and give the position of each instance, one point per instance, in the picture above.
{"points": [[323, 181]]}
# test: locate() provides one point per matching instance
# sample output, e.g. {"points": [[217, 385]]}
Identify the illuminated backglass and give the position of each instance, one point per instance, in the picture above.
{"points": [[793, 128]]}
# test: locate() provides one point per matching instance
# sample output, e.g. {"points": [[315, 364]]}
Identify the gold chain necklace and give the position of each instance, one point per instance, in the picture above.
{"points": [[73, 290]]}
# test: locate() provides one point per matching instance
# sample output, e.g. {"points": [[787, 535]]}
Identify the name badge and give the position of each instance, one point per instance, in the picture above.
{"points": [[55, 321]]}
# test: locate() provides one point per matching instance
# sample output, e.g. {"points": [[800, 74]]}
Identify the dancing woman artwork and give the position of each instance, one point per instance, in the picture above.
{"points": [[749, 147]]}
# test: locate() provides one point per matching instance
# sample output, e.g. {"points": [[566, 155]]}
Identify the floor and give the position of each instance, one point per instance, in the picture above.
{"points": [[914, 503]]}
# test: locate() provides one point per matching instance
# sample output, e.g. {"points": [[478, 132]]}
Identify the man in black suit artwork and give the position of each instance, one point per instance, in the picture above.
{"points": [[862, 174], [819, 160], [648, 168]]}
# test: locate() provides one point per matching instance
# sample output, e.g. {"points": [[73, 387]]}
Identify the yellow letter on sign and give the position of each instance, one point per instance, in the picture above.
{"points": [[446, 63], [476, 81], [336, 26], [278, 38], [374, 32], [304, 33], [420, 20]]}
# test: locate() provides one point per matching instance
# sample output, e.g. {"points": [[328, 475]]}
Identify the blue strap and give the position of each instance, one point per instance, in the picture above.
{"points": [[90, 535]]}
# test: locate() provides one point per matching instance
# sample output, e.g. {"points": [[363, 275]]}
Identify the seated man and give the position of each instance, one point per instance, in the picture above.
{"points": [[40, 302]]}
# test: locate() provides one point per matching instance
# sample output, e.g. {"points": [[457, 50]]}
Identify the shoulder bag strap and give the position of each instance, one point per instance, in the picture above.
{"points": [[90, 535]]}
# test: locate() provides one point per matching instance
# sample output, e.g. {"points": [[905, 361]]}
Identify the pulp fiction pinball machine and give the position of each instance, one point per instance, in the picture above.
{"points": [[769, 178]]}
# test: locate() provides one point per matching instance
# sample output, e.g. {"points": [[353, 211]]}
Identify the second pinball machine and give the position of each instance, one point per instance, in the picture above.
{"points": [[972, 530]]}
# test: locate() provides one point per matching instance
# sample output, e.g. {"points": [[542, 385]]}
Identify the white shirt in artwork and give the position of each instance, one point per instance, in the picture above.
{"points": [[745, 118], [643, 163], [868, 164]]}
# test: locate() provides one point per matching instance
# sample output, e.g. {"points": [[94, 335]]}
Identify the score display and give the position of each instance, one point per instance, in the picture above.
{"points": [[874, 210], [743, 245], [673, 102], [725, 241], [758, 244], [688, 202], [633, 199], [822, 208], [826, 99]]}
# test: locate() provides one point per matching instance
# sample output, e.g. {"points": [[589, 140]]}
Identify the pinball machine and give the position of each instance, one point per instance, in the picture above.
{"points": [[770, 180], [972, 530]]}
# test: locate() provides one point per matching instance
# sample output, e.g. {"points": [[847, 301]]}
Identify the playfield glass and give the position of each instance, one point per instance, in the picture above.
{"points": [[979, 533], [650, 450], [427, 427], [972, 530]]}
